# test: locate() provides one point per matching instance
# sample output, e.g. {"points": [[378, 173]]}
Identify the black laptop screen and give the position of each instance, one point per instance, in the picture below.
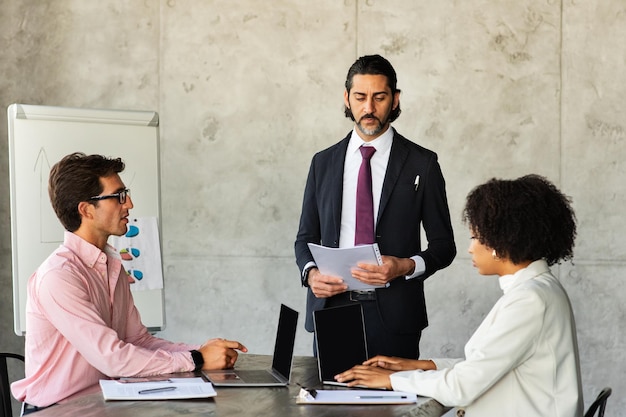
{"points": [[285, 337], [340, 338]]}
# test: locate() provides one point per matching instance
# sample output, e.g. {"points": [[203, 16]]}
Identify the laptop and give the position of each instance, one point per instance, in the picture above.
{"points": [[340, 340], [279, 373]]}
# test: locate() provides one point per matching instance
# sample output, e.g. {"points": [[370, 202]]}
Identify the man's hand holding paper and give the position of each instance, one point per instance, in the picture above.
{"points": [[380, 275], [337, 269], [324, 286]]}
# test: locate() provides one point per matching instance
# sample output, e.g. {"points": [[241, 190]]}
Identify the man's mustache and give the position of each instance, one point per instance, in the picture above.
{"points": [[369, 116]]}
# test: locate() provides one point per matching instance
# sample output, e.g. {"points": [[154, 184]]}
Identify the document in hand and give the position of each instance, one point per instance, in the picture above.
{"points": [[174, 388], [339, 262], [354, 397]]}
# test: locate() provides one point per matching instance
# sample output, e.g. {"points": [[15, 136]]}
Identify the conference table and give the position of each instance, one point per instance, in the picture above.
{"points": [[242, 402]]}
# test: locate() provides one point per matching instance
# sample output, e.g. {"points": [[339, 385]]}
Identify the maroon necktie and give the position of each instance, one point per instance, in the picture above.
{"points": [[364, 227]]}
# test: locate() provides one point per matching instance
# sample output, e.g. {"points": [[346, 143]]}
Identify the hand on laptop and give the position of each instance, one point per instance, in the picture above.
{"points": [[374, 373], [220, 353], [366, 376], [400, 364]]}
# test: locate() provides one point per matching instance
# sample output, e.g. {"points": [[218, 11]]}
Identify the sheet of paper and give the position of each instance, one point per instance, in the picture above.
{"points": [[177, 388], [340, 262], [140, 251], [355, 397]]}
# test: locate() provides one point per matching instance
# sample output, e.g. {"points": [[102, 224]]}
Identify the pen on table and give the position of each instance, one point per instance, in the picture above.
{"points": [[131, 380], [151, 390], [311, 391], [368, 397]]}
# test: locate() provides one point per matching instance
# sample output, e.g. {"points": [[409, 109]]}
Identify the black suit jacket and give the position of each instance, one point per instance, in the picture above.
{"points": [[401, 211]]}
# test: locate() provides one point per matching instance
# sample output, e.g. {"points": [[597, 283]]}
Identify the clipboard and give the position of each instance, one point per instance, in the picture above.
{"points": [[361, 397], [340, 261]]}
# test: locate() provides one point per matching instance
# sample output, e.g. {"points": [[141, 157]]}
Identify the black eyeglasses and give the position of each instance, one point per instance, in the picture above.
{"points": [[121, 196]]}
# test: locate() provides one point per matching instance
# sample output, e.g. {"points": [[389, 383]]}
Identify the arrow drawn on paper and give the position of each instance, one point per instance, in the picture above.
{"points": [[50, 230]]}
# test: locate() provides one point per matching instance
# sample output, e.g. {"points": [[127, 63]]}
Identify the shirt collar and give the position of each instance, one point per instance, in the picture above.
{"points": [[508, 282], [381, 143], [84, 250]]}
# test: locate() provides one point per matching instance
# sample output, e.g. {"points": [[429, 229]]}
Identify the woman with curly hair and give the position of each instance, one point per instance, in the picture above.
{"points": [[523, 358]]}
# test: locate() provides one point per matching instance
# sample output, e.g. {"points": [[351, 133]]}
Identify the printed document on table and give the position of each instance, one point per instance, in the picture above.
{"points": [[355, 397], [174, 388], [339, 262]]}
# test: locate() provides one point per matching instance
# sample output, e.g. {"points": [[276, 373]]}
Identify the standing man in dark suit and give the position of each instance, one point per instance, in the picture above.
{"points": [[407, 190]]}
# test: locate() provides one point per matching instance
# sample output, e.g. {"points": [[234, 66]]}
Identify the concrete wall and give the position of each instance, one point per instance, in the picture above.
{"points": [[247, 91]]}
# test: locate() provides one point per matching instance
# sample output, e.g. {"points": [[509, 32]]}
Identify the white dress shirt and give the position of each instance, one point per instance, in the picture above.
{"points": [[378, 163], [352, 163], [521, 361]]}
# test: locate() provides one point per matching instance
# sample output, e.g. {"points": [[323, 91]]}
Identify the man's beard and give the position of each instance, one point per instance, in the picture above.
{"points": [[371, 132]]}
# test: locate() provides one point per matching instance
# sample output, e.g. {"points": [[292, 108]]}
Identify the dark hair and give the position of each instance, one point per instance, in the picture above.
{"points": [[523, 220], [76, 178], [373, 65]]}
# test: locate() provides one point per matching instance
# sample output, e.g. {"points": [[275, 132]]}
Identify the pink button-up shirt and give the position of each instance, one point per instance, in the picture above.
{"points": [[82, 326]]}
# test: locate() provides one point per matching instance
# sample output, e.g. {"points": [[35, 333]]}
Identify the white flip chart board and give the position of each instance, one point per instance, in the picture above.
{"points": [[39, 136]]}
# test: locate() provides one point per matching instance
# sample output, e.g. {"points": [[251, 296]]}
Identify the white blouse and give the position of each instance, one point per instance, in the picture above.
{"points": [[521, 361]]}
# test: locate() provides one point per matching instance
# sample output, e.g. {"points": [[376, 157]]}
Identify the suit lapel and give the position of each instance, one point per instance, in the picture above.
{"points": [[397, 159], [336, 191]]}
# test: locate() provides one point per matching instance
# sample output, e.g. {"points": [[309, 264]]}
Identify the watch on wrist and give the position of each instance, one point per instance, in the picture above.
{"points": [[198, 360], [305, 276]]}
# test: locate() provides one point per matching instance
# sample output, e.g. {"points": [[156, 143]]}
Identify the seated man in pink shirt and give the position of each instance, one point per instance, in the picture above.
{"points": [[81, 322]]}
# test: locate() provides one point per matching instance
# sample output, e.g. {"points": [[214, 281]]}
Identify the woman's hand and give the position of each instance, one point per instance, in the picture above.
{"points": [[400, 364], [365, 375], [374, 373]]}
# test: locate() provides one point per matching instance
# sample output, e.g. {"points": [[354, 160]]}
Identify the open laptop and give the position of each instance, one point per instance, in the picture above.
{"points": [[279, 373], [340, 340]]}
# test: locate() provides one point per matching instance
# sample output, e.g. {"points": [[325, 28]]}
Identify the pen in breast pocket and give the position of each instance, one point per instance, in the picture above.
{"points": [[154, 390]]}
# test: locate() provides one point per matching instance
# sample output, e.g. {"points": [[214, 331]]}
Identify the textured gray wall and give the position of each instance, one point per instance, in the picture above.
{"points": [[247, 91]]}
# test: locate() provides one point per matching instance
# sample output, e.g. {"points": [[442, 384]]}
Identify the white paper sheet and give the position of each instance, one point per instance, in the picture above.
{"points": [[339, 262], [355, 397], [178, 388], [140, 250]]}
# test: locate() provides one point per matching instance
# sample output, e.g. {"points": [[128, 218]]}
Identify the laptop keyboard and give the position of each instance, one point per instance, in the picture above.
{"points": [[256, 376]]}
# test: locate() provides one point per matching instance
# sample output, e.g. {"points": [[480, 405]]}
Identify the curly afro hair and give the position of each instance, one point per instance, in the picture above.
{"points": [[525, 219]]}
